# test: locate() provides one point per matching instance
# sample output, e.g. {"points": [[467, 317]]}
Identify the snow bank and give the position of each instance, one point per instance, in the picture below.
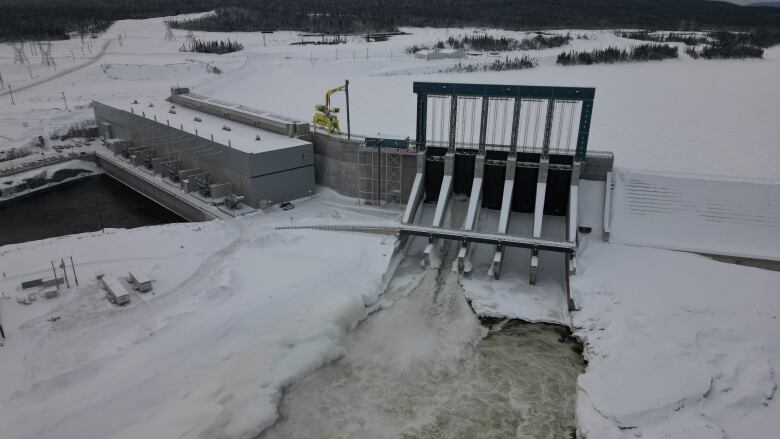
{"points": [[678, 345], [704, 214], [238, 311]]}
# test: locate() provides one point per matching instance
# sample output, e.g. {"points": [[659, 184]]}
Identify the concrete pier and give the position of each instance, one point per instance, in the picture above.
{"points": [[503, 219], [441, 204], [475, 202], [417, 192], [571, 215]]}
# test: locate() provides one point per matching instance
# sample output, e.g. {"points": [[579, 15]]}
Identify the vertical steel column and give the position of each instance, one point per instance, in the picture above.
{"points": [[548, 128], [483, 123], [515, 125], [422, 118], [582, 134], [346, 93], [453, 120]]}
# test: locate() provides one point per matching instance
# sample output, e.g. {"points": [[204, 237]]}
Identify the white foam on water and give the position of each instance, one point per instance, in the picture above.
{"points": [[425, 367]]}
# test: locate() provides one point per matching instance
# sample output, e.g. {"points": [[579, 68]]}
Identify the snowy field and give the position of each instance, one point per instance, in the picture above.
{"points": [[714, 117], [237, 311], [679, 345]]}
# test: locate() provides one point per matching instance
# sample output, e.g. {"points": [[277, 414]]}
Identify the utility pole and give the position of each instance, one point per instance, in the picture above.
{"points": [[46, 58], [1, 81], [72, 266], [64, 272], [2, 331], [29, 70], [73, 56], [11, 91], [169, 35], [100, 216], [346, 92], [19, 55], [56, 279], [64, 99]]}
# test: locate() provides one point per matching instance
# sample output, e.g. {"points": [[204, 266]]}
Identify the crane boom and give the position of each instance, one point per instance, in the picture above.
{"points": [[326, 116], [330, 93]]}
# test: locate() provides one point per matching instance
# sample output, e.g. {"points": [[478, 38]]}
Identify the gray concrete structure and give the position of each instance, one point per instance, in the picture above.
{"points": [[260, 165], [275, 123], [164, 196], [336, 165]]}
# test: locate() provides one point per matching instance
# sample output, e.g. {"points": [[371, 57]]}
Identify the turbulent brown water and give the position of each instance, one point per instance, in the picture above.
{"points": [[426, 368]]}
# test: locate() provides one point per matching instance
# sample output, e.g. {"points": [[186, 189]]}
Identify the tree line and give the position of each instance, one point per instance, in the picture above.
{"points": [[214, 46], [612, 54], [53, 19], [689, 39], [488, 43], [717, 44], [498, 65]]}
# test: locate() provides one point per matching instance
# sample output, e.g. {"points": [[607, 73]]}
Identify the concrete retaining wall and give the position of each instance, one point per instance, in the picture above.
{"points": [[336, 165], [155, 193]]}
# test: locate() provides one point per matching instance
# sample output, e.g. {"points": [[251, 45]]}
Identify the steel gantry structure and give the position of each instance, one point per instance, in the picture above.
{"points": [[493, 103]]}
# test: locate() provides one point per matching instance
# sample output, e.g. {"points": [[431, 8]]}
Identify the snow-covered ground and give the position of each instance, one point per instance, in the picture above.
{"points": [[716, 117], [238, 309], [679, 345]]}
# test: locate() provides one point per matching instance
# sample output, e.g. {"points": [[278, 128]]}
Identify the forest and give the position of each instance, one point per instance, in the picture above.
{"points": [[54, 19]]}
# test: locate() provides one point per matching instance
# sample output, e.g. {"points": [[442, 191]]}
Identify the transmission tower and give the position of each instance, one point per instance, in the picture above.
{"points": [[46, 58], [169, 36], [19, 55]]}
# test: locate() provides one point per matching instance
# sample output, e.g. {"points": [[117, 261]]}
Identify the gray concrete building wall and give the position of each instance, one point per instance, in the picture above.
{"points": [[249, 173], [337, 165]]}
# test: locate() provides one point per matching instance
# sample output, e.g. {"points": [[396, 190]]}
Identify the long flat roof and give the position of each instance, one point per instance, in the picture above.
{"points": [[243, 109], [240, 137]]}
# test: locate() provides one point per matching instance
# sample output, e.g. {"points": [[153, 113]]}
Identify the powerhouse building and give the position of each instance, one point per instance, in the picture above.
{"points": [[231, 149]]}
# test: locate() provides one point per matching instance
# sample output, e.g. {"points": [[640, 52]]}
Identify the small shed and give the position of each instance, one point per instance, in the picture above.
{"points": [[141, 282], [116, 291]]}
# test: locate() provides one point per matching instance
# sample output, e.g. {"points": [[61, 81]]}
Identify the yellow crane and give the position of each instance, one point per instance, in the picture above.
{"points": [[326, 116]]}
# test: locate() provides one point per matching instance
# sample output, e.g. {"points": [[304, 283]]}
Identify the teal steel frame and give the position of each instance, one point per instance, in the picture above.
{"points": [[585, 95]]}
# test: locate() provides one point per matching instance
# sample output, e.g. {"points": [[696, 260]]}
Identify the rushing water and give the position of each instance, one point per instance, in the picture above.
{"points": [[426, 368], [79, 206]]}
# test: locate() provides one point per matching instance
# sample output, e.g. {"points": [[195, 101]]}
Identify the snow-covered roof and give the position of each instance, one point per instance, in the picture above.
{"points": [[140, 277], [115, 287], [241, 137], [244, 109]]}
